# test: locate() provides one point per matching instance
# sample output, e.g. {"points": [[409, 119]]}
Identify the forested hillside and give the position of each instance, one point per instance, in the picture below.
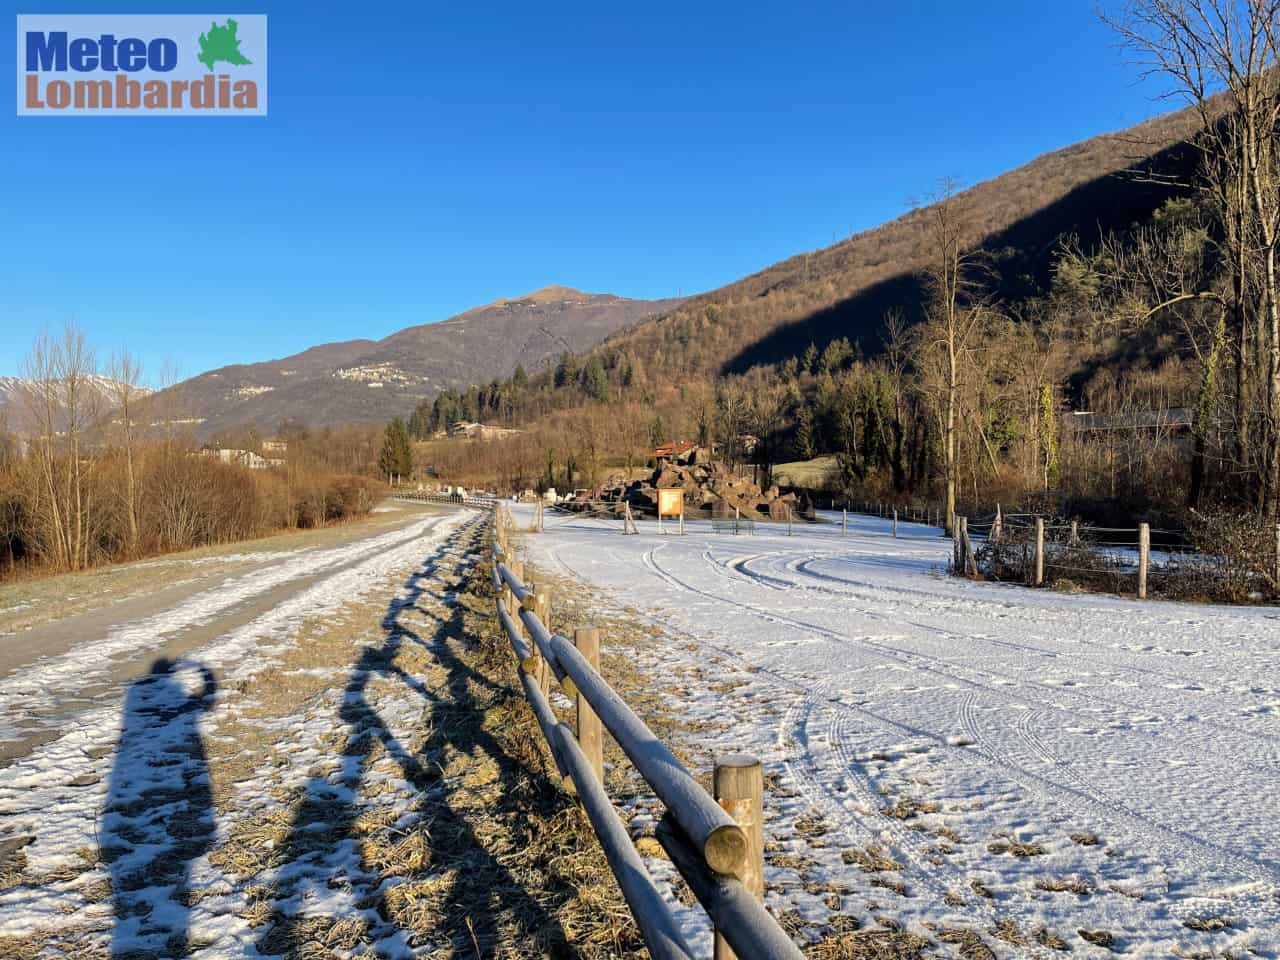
{"points": [[946, 353]]}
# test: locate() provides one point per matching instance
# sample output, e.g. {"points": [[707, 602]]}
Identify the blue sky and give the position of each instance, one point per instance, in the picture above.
{"points": [[420, 159]]}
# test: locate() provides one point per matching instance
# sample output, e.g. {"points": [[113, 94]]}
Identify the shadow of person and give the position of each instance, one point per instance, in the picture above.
{"points": [[159, 811]]}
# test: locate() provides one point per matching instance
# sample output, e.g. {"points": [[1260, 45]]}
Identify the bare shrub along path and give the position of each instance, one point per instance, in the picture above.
{"points": [[978, 763]]}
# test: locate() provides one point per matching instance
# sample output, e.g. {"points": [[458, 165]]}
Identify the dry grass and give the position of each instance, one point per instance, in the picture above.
{"points": [[1208, 924], [1017, 848], [872, 859], [970, 944], [1047, 938], [1064, 885], [908, 808], [1099, 938], [875, 943]]}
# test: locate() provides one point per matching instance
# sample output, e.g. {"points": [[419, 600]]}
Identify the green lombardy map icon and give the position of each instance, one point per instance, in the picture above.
{"points": [[221, 44]]}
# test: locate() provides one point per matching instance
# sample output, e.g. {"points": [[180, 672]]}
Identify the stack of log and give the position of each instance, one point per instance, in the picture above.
{"points": [[711, 489]]}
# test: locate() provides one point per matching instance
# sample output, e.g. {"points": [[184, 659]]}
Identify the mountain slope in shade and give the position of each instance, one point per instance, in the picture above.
{"points": [[845, 290], [366, 381]]}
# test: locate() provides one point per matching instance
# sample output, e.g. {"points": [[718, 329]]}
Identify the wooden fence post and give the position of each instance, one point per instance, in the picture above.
{"points": [[590, 737], [1039, 577], [997, 528], [1075, 533], [1144, 558], [895, 523], [844, 528], [517, 570], [542, 609], [957, 564], [738, 786]]}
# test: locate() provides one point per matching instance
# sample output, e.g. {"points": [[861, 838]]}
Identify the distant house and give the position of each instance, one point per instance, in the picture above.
{"points": [[677, 448], [275, 446], [239, 458], [480, 431]]}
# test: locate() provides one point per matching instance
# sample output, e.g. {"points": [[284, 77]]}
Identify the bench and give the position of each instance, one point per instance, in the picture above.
{"points": [[732, 525]]}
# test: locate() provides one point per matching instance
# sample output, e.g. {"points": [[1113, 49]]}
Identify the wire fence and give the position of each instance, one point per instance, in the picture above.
{"points": [[1143, 560]]}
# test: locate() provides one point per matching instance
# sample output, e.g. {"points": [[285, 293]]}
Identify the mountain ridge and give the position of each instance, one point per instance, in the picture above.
{"points": [[371, 381]]}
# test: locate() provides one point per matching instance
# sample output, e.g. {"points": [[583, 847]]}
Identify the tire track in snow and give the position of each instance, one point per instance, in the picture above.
{"points": [[1266, 765], [1173, 841], [983, 609]]}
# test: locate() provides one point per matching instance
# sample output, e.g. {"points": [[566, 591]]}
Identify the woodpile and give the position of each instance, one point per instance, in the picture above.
{"points": [[711, 489]]}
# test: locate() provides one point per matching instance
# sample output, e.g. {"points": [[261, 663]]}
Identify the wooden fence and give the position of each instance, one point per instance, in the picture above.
{"points": [[716, 843], [1035, 550]]}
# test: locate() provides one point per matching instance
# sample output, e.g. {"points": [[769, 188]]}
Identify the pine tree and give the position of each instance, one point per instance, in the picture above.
{"points": [[594, 380], [809, 362], [804, 434], [396, 457]]}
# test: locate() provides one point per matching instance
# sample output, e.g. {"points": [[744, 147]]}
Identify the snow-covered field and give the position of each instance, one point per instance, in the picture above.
{"points": [[1052, 770]]}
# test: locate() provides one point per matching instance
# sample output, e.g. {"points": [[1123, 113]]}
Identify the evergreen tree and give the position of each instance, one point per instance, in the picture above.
{"points": [[396, 457], [420, 422], [836, 355], [594, 380], [805, 448], [809, 362]]}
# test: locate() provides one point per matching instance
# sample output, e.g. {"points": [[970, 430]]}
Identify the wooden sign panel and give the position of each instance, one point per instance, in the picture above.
{"points": [[671, 503]]}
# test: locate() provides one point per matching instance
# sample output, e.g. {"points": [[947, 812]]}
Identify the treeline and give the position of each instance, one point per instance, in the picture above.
{"points": [[91, 479], [976, 397], [975, 401]]}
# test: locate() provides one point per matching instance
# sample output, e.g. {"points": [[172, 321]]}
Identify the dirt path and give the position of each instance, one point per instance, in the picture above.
{"points": [[348, 771], [70, 644]]}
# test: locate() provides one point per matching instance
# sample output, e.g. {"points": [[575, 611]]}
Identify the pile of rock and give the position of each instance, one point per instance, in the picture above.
{"points": [[711, 489]]}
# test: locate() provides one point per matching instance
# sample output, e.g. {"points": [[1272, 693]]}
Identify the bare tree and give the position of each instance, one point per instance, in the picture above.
{"points": [[125, 388], [64, 403], [956, 313], [1221, 56]]}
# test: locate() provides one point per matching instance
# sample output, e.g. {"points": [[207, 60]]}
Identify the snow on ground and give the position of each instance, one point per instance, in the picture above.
{"points": [[54, 678], [125, 793], [1050, 767]]}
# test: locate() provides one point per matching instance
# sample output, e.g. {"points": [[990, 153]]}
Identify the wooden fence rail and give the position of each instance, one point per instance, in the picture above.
{"points": [[719, 856]]}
